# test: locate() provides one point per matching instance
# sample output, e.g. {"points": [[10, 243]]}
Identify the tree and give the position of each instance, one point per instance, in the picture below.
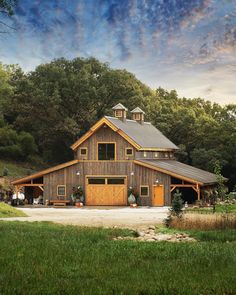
{"points": [[6, 11], [221, 189]]}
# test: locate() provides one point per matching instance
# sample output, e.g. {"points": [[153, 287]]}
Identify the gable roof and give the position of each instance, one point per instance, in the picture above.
{"points": [[137, 111], [180, 170], [120, 106], [145, 134], [142, 136]]}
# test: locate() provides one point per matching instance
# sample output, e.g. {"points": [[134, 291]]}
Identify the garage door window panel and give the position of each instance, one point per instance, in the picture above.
{"points": [[96, 181], [116, 181]]}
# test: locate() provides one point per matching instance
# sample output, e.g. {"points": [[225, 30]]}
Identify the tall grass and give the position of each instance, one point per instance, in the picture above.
{"points": [[204, 222]]}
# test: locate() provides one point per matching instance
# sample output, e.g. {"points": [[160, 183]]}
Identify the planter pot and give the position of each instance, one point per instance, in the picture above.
{"points": [[131, 199], [79, 204], [133, 205]]}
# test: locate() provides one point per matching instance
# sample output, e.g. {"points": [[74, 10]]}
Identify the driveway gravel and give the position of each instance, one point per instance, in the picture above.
{"points": [[94, 216]]}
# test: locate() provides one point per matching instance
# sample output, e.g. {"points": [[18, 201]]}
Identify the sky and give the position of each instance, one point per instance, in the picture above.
{"points": [[186, 45]]}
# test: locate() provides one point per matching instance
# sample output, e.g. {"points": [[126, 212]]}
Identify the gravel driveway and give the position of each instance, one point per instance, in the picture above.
{"points": [[87, 216]]}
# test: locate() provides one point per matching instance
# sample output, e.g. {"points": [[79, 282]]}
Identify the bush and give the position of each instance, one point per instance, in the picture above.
{"points": [[177, 204], [5, 171]]}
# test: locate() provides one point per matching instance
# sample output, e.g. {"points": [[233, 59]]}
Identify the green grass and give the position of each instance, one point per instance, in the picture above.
{"points": [[229, 208], [44, 258], [9, 211]]}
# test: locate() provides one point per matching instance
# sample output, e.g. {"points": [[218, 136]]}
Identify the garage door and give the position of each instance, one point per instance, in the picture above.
{"points": [[106, 191]]}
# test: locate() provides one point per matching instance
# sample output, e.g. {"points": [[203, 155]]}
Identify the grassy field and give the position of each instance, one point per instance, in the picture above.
{"points": [[229, 208], [9, 211], [43, 258]]}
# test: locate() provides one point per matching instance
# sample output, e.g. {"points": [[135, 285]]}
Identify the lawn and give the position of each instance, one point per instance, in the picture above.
{"points": [[44, 258], [9, 211]]}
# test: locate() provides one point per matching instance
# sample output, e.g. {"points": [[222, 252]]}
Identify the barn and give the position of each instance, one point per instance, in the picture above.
{"points": [[115, 155]]}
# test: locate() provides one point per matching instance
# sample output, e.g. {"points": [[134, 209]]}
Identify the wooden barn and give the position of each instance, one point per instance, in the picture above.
{"points": [[117, 154]]}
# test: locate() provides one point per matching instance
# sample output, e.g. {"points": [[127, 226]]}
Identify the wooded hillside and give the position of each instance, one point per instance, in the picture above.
{"points": [[43, 112]]}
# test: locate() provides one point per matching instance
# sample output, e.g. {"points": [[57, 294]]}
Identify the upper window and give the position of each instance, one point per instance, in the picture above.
{"points": [[144, 190], [129, 152], [96, 181], [106, 151], [61, 190], [156, 154], [118, 114], [137, 117], [83, 152], [145, 154]]}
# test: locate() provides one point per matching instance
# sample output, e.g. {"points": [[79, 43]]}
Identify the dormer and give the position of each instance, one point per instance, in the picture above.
{"points": [[138, 115], [120, 111]]}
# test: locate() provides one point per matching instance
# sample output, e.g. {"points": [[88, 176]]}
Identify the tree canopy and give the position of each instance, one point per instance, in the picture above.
{"points": [[56, 103]]}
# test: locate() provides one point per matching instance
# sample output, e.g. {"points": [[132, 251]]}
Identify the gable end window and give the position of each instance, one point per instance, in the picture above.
{"points": [[83, 152], [129, 152], [106, 151], [61, 190], [144, 190]]}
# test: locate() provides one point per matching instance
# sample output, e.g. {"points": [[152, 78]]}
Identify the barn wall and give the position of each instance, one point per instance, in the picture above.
{"points": [[142, 176], [105, 135]]}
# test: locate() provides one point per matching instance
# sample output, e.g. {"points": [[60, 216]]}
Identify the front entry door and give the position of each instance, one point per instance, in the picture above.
{"points": [[158, 195]]}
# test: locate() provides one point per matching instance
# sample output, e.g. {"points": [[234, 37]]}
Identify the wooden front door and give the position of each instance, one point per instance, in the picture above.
{"points": [[158, 195], [106, 192]]}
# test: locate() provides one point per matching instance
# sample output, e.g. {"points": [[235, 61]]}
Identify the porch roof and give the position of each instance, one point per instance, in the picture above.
{"points": [[180, 170]]}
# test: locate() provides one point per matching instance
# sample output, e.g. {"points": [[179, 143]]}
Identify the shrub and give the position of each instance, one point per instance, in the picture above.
{"points": [[177, 204], [5, 171]]}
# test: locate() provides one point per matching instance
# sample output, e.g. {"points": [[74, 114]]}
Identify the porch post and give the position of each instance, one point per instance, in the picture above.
{"points": [[198, 192]]}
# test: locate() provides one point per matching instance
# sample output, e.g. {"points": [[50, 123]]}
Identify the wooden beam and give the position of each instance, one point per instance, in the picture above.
{"points": [[173, 188], [182, 185], [30, 184], [42, 189]]}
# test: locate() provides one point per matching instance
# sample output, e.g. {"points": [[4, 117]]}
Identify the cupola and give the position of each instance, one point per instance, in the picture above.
{"points": [[138, 115], [120, 111]]}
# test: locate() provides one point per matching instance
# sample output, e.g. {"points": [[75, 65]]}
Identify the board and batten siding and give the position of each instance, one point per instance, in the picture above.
{"points": [[104, 135], [142, 176]]}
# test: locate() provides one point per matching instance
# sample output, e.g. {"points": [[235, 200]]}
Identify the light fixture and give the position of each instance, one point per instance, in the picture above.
{"points": [[132, 173], [157, 180], [78, 172]]}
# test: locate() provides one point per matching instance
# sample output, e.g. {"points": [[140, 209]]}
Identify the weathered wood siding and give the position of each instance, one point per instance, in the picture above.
{"points": [[142, 176], [105, 135]]}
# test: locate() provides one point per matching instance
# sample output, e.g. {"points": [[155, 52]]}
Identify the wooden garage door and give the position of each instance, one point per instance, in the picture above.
{"points": [[102, 191]]}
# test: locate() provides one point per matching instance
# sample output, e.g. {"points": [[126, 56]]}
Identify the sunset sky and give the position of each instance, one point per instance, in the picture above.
{"points": [[185, 45]]}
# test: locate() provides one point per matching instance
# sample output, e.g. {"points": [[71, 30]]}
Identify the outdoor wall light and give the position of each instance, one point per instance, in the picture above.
{"points": [[77, 172], [157, 180], [132, 173]]}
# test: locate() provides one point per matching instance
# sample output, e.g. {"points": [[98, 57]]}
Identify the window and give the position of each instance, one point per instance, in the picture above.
{"points": [[144, 190], [106, 151], [118, 114], [136, 117], [96, 181], [115, 181], [83, 152], [129, 152], [61, 190], [156, 154], [166, 155], [145, 154]]}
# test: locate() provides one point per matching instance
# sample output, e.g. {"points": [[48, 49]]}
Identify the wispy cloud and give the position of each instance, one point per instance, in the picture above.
{"points": [[159, 40]]}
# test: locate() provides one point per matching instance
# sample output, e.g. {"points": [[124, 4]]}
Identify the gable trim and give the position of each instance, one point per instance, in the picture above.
{"points": [[167, 172], [98, 125], [43, 172]]}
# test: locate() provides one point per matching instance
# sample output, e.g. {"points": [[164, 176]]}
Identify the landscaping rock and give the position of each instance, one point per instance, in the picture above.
{"points": [[152, 227]]}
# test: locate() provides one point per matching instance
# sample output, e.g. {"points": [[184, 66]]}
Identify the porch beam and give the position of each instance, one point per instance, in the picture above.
{"points": [[183, 185], [30, 184], [41, 188]]}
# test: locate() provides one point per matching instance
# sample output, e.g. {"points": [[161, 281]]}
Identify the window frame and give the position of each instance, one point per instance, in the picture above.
{"points": [[129, 155], [106, 142], [137, 117], [83, 155], [148, 191], [61, 185], [118, 113]]}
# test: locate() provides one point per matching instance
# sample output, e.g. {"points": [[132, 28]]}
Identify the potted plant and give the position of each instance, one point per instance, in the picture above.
{"points": [[132, 194], [79, 197]]}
